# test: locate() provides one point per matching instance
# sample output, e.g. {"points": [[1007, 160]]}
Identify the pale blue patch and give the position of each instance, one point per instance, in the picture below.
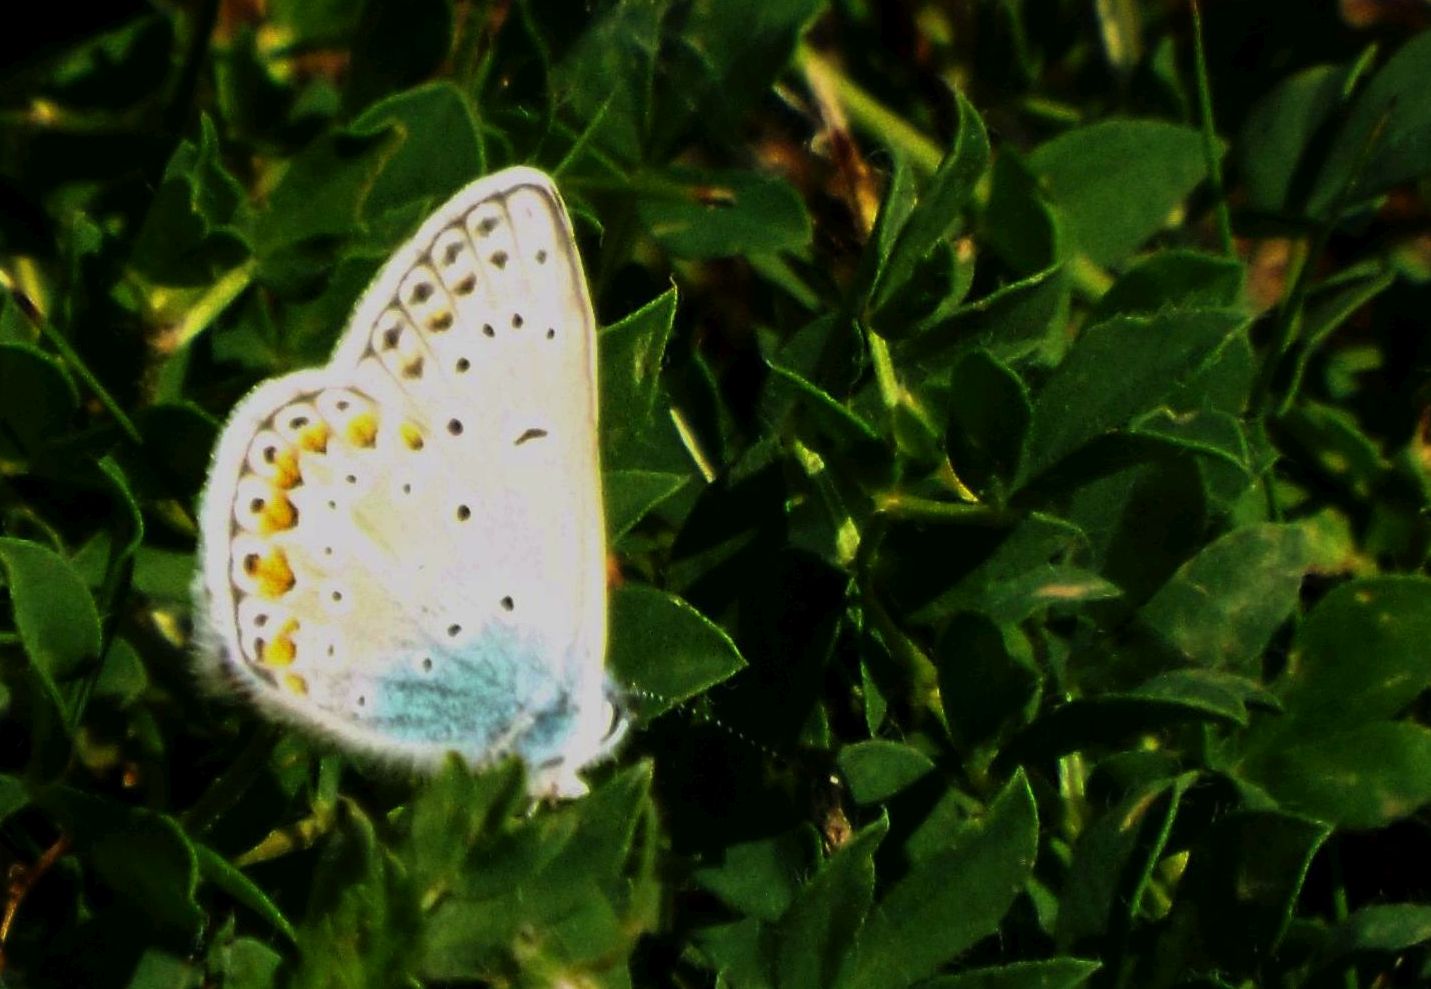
{"points": [[473, 698]]}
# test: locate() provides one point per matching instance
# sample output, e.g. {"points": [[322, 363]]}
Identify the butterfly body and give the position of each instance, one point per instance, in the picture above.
{"points": [[404, 550]]}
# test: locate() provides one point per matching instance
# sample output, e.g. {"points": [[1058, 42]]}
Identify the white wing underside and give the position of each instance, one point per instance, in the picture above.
{"points": [[405, 549]]}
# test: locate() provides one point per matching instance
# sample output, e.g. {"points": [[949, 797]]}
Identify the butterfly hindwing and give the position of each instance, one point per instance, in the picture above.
{"points": [[405, 549]]}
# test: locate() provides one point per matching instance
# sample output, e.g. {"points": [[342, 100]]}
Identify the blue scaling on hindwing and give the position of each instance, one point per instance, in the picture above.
{"points": [[491, 694]]}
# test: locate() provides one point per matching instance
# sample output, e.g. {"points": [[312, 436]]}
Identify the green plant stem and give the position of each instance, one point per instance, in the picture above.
{"points": [[225, 791], [1289, 315], [897, 504], [69, 355], [869, 114], [1340, 910], [885, 378], [219, 296], [1209, 138], [1304, 353]]}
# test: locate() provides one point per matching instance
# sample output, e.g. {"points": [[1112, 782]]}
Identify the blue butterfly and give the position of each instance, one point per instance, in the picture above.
{"points": [[404, 551]]}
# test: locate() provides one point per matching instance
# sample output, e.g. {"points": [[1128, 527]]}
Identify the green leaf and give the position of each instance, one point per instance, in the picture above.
{"points": [[876, 770], [936, 284], [937, 208], [900, 195], [1363, 777], [988, 680], [1329, 307], [1392, 118], [631, 352], [559, 896], [1173, 279], [934, 570], [123, 679], [174, 459], [1223, 606], [630, 495], [1010, 322], [1213, 692], [472, 930], [729, 54], [1114, 860], [37, 400], [951, 899], [362, 914], [1162, 703], [449, 817], [319, 200], [1280, 129], [1241, 886], [989, 412], [1359, 656], [1053, 973], [215, 869], [664, 649], [738, 952], [759, 878], [1117, 182], [607, 823], [190, 232], [716, 214], [1018, 223], [13, 796], [606, 80], [159, 969], [1389, 928], [419, 168], [1053, 587], [1115, 510], [1332, 441], [143, 856], [1115, 371], [815, 935], [246, 963], [54, 613], [826, 423]]}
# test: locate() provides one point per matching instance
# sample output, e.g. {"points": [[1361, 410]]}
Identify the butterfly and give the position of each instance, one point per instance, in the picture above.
{"points": [[403, 551]]}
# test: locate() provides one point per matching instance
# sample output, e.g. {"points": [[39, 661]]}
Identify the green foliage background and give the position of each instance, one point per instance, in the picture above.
{"points": [[1015, 440]]}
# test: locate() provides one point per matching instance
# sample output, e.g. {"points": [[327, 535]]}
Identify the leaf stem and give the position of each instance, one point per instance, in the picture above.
{"points": [[231, 784], [1209, 137], [870, 114], [219, 296], [1289, 315], [913, 507]]}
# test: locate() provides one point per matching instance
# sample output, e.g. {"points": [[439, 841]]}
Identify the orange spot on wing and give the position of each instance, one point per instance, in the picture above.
{"points": [[285, 469], [281, 650], [314, 438], [296, 684], [278, 513], [411, 435], [272, 573], [363, 429]]}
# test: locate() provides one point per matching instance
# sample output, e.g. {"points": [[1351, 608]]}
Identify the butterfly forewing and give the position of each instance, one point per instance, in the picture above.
{"points": [[405, 549]]}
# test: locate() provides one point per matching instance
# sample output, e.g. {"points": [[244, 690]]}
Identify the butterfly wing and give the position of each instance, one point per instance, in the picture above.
{"points": [[406, 549]]}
